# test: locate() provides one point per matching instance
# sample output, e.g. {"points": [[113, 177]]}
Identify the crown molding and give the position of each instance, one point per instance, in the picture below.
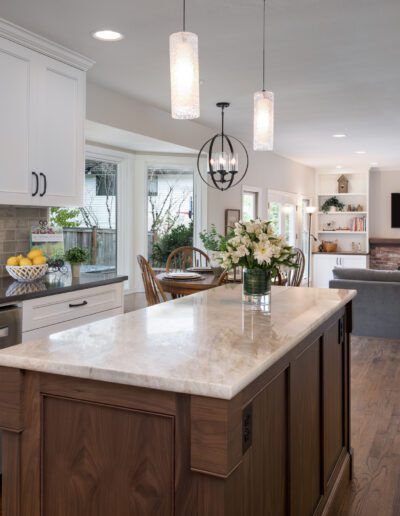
{"points": [[44, 46]]}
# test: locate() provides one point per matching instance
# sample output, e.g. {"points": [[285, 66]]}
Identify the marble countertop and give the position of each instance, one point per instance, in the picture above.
{"points": [[209, 344], [12, 291]]}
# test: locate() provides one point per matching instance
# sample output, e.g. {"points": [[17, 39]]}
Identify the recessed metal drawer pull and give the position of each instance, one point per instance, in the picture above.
{"points": [[4, 332], [71, 305]]}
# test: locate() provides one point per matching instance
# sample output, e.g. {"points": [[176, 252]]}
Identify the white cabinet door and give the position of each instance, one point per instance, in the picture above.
{"points": [[354, 262], [322, 269], [17, 75], [59, 131]]}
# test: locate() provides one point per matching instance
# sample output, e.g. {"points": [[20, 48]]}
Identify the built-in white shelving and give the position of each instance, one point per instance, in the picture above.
{"points": [[338, 226]]}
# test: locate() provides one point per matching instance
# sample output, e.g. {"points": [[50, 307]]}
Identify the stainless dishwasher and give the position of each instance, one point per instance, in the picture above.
{"points": [[10, 326], [10, 334]]}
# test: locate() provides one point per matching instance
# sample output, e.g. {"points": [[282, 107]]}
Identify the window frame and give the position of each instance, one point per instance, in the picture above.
{"points": [[258, 195]]}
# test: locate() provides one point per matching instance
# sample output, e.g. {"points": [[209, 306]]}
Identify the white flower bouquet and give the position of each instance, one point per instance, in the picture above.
{"points": [[255, 245]]}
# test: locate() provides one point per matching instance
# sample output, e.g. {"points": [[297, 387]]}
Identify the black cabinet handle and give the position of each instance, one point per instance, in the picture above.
{"points": [[37, 184], [44, 184], [77, 305]]}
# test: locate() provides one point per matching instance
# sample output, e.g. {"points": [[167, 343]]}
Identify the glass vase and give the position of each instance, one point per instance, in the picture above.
{"points": [[257, 289]]}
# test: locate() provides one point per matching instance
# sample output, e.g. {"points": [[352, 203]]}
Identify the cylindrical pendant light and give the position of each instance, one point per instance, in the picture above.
{"points": [[263, 111], [184, 69]]}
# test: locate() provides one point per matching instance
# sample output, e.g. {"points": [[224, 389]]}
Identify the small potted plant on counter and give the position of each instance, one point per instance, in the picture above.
{"points": [[331, 205], [76, 256], [215, 244]]}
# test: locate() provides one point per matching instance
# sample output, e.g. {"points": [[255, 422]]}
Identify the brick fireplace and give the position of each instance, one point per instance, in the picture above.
{"points": [[384, 253]]}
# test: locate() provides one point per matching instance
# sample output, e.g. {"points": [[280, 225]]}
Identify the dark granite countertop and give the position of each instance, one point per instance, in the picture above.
{"points": [[12, 291]]}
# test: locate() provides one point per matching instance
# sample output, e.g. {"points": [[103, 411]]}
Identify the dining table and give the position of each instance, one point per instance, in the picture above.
{"points": [[185, 287]]}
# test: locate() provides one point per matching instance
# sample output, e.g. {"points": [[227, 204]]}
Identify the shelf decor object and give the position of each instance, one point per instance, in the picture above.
{"points": [[343, 184], [223, 163], [184, 71], [263, 109], [332, 204]]}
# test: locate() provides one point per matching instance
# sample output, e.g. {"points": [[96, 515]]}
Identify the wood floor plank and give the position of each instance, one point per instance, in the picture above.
{"points": [[375, 490]]}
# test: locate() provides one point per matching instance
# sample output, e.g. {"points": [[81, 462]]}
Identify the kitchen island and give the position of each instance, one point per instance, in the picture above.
{"points": [[198, 406]]}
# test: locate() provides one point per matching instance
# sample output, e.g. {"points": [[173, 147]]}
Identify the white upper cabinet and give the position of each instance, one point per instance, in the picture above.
{"points": [[42, 106], [59, 133], [15, 109]]}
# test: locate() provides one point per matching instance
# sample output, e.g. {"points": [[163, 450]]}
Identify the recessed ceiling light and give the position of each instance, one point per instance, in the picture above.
{"points": [[107, 35], [339, 135], [361, 152], [374, 164], [339, 167]]}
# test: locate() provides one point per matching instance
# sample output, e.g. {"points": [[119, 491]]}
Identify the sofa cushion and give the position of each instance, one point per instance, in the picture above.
{"points": [[366, 275]]}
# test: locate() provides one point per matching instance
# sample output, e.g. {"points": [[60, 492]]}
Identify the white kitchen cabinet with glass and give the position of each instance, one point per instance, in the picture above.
{"points": [[42, 105]]}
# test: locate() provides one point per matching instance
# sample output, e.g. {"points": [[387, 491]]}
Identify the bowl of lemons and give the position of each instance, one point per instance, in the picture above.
{"points": [[27, 268]]}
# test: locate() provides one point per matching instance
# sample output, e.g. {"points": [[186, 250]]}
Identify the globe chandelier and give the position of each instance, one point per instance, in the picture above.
{"points": [[222, 170]]}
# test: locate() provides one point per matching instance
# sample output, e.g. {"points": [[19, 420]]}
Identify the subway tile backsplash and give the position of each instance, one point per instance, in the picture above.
{"points": [[15, 226]]}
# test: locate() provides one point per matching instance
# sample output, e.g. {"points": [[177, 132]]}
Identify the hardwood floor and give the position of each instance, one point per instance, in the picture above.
{"points": [[375, 419], [375, 490]]}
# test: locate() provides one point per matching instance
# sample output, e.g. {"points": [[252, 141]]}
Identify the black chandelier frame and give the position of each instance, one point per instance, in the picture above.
{"points": [[212, 174]]}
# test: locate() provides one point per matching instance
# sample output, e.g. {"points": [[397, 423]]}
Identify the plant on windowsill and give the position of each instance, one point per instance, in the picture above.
{"points": [[76, 256], [332, 204], [215, 244]]}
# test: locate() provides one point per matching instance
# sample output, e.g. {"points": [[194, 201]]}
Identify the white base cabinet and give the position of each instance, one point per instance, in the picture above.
{"points": [[323, 265], [46, 315]]}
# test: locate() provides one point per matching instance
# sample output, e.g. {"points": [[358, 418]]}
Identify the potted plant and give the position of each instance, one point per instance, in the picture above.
{"points": [[76, 256], [261, 252], [332, 204], [214, 243]]}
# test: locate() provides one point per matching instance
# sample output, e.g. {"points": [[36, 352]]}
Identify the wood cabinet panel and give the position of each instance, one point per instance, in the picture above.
{"points": [[305, 428], [101, 460], [265, 464], [333, 371]]}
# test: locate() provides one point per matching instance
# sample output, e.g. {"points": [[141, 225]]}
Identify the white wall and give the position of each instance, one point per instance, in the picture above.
{"points": [[383, 184], [267, 170]]}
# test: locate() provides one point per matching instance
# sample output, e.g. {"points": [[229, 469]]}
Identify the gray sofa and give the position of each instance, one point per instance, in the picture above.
{"points": [[376, 309]]}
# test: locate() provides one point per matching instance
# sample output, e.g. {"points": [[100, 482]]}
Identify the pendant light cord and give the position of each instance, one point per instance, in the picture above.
{"points": [[263, 54], [184, 15]]}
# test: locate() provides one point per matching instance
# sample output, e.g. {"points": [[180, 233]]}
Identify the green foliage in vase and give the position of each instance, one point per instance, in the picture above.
{"points": [[214, 241]]}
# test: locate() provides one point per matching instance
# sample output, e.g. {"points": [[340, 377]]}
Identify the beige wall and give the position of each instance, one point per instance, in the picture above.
{"points": [[267, 170], [383, 184]]}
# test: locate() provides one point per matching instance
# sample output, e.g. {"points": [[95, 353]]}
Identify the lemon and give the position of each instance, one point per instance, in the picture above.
{"points": [[19, 258], [25, 261], [34, 253], [13, 260], [39, 260]]}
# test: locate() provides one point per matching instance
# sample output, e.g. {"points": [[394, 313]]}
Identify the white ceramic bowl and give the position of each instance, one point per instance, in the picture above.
{"points": [[27, 273]]}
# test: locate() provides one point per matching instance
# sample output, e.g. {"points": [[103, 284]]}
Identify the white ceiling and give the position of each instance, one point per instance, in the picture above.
{"points": [[333, 64]]}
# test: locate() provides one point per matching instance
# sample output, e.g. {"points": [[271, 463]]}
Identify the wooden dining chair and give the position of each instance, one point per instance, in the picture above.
{"points": [[295, 275], [152, 288], [185, 257]]}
